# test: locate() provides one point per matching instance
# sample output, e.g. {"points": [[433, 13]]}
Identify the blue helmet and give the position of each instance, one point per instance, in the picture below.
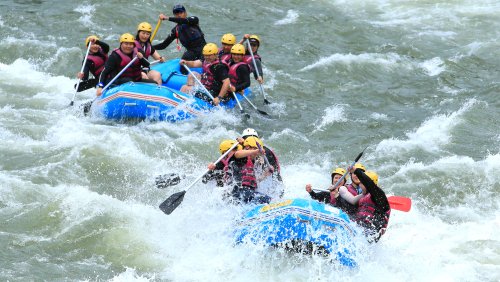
{"points": [[178, 9]]}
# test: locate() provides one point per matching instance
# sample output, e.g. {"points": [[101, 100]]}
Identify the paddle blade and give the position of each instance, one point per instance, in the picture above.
{"points": [[262, 112], [400, 203], [170, 204]]}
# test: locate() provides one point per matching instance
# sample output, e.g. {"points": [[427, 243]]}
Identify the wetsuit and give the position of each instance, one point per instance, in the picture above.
{"points": [[188, 32], [90, 67]]}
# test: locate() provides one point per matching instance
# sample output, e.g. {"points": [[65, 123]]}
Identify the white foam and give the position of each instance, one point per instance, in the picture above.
{"points": [[379, 116], [18, 72], [431, 135], [86, 10], [433, 66], [291, 17], [332, 114], [385, 60]]}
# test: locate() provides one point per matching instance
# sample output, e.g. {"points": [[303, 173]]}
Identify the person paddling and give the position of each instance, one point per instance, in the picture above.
{"points": [[270, 154], [346, 197], [98, 55], [221, 171], [325, 197], [244, 173], [187, 31], [254, 44], [142, 42], [215, 74], [239, 71], [373, 210], [118, 59]]}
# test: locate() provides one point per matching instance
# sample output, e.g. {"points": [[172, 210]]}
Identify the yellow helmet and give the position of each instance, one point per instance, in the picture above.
{"points": [[226, 145], [359, 165], [228, 39], [254, 38], [238, 49], [89, 38], [252, 141], [373, 176], [144, 26], [339, 170], [210, 49], [127, 37]]}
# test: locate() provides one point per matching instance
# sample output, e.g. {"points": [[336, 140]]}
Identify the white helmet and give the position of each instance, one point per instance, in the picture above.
{"points": [[250, 132]]}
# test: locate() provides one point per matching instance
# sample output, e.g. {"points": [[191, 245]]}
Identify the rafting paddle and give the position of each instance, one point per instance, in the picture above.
{"points": [[155, 30], [345, 174], [79, 80], [172, 202], [257, 109], [199, 82], [399, 203], [239, 105], [257, 71]]}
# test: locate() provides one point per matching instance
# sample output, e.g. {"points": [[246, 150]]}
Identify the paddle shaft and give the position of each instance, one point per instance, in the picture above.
{"points": [[345, 174], [256, 70], [257, 109], [217, 161], [120, 73], [263, 152], [198, 81], [155, 30], [83, 67]]}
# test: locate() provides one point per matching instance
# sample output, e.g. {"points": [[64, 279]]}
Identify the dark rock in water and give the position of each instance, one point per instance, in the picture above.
{"points": [[166, 180]]}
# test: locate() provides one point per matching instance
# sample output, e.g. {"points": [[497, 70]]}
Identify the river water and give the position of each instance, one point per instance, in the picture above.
{"points": [[415, 81]]}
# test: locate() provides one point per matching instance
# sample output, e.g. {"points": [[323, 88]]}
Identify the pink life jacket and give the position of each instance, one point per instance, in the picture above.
{"points": [[248, 59], [233, 75], [369, 217], [208, 78], [98, 61], [146, 48], [248, 175], [225, 58], [134, 71], [227, 177]]}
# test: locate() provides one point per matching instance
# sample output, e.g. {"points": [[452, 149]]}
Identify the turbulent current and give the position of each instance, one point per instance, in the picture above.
{"points": [[417, 82]]}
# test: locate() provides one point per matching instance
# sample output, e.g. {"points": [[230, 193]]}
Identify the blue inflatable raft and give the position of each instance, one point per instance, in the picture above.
{"points": [[138, 101], [300, 225]]}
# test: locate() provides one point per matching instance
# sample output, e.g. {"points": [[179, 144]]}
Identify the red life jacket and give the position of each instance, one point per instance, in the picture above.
{"points": [[233, 75], [248, 175], [134, 71], [146, 48], [225, 58], [370, 217], [227, 177], [248, 59], [208, 78], [98, 60]]}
